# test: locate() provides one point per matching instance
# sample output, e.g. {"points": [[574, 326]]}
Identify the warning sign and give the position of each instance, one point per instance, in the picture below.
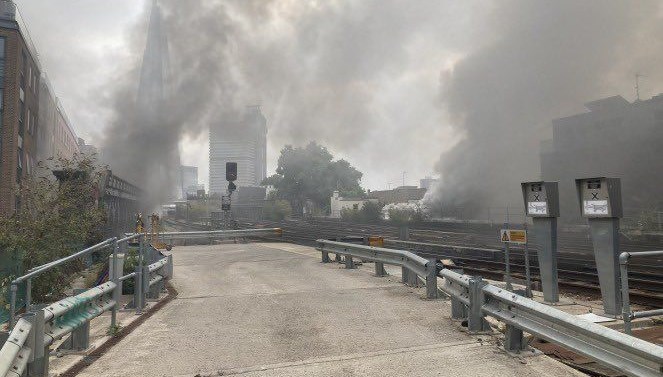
{"points": [[518, 236]]}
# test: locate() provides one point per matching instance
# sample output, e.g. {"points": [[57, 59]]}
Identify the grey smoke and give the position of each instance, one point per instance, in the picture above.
{"points": [[539, 60], [371, 80], [348, 74]]}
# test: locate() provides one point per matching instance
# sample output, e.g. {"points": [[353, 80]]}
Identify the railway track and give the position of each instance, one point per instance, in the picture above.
{"points": [[483, 254]]}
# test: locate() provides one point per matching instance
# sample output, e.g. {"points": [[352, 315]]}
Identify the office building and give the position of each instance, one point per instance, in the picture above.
{"points": [[243, 141]]}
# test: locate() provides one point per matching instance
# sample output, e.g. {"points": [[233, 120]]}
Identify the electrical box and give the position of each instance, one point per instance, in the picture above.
{"points": [[541, 199], [600, 197]]}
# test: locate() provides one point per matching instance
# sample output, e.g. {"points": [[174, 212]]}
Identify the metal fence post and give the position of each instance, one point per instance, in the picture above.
{"points": [[28, 294], [475, 321], [39, 365], [138, 289], [626, 302], [117, 292], [146, 284], [12, 306], [170, 266], [431, 278]]}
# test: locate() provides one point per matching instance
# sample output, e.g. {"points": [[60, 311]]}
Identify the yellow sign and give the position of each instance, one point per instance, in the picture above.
{"points": [[518, 236]]}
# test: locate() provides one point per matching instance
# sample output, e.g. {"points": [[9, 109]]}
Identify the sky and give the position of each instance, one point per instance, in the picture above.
{"points": [[461, 90]]}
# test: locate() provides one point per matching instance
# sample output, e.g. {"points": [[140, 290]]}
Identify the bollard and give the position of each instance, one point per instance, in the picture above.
{"points": [[431, 278], [379, 269], [349, 262], [476, 323], [513, 339]]}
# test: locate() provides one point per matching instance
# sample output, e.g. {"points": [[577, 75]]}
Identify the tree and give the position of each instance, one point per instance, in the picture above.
{"points": [[56, 218], [311, 173]]}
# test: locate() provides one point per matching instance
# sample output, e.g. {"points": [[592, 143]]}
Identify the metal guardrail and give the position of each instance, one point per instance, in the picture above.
{"points": [[419, 266], [28, 345], [627, 314], [221, 234], [473, 299]]}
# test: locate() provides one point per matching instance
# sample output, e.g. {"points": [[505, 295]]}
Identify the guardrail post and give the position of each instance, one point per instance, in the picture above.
{"points": [[138, 289], [39, 363], [79, 339], [458, 309], [349, 262], [513, 339], [476, 323], [325, 255], [170, 266], [431, 278], [379, 269]]}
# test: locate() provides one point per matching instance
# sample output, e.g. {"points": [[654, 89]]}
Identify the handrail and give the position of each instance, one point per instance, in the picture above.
{"points": [[627, 314], [40, 269]]}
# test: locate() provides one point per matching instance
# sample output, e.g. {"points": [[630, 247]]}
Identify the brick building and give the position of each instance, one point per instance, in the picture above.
{"points": [[19, 106]]}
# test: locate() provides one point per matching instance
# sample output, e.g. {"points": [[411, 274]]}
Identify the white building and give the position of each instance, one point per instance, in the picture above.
{"points": [[244, 142], [339, 203]]}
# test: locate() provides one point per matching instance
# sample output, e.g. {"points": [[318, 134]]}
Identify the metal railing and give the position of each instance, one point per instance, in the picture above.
{"points": [[472, 299], [418, 266], [627, 314], [28, 345], [220, 234]]}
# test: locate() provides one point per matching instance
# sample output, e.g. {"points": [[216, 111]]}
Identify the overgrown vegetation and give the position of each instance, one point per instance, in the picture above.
{"points": [[310, 173], [405, 213], [56, 218], [370, 212], [277, 210]]}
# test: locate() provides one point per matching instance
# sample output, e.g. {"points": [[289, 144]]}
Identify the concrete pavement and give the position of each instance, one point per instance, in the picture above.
{"points": [[274, 310]]}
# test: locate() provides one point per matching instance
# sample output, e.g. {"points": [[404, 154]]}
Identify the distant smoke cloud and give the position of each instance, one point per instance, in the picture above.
{"points": [[539, 60], [357, 76]]}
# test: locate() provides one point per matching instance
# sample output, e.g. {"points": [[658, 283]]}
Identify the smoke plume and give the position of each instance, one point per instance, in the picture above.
{"points": [[537, 61]]}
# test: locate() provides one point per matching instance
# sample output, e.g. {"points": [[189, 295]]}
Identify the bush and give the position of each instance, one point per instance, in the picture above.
{"points": [[404, 213], [369, 212], [277, 210]]}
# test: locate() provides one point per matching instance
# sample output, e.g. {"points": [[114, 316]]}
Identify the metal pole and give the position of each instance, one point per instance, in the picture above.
{"points": [[507, 261], [28, 294], [12, 306], [528, 275], [116, 280], [626, 304]]}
